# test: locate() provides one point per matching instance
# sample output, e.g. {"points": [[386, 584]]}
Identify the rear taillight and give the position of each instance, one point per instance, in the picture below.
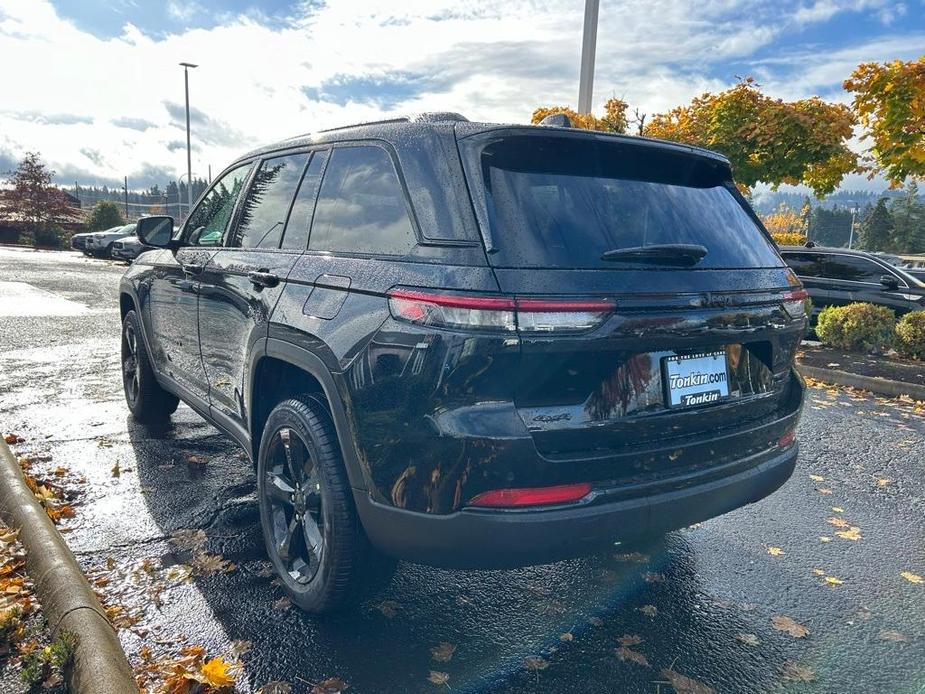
{"points": [[532, 496], [497, 313], [787, 439], [795, 303]]}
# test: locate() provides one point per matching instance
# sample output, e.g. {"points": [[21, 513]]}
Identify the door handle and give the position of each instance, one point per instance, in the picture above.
{"points": [[263, 278], [192, 269]]}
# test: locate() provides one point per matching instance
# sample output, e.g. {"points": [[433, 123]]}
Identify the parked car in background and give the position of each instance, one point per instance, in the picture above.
{"points": [[838, 276], [99, 243], [128, 248], [917, 272], [79, 241], [472, 345]]}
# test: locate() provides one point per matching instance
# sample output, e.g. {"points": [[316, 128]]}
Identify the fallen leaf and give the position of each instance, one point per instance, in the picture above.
{"points": [[436, 677], [911, 577], [283, 604], [239, 648], [534, 662], [852, 533], [794, 672], [13, 438], [630, 640], [207, 564], [566, 636], [824, 538], [818, 572], [833, 581], [816, 478], [789, 626], [651, 577], [217, 673], [275, 688], [115, 470], [838, 509], [388, 608], [884, 482], [838, 522], [685, 685], [443, 652], [628, 654], [332, 685], [59, 471], [195, 460], [749, 639], [190, 539], [648, 610], [892, 635], [775, 551], [823, 490]]}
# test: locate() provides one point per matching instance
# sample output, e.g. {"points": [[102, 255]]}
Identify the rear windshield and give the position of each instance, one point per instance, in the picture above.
{"points": [[565, 201]]}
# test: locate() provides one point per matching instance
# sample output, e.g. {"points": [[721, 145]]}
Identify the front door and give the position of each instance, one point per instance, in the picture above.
{"points": [[242, 282], [174, 293]]}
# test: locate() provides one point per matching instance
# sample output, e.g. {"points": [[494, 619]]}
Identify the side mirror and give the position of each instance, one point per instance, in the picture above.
{"points": [[155, 231], [889, 282]]}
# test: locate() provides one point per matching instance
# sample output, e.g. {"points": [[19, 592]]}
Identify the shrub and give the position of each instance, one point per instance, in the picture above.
{"points": [[910, 335], [48, 237], [856, 327]]}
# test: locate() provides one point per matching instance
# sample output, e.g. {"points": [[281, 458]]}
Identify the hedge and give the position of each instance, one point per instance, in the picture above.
{"points": [[862, 327]]}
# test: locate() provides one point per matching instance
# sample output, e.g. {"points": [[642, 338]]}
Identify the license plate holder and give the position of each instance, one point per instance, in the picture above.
{"points": [[693, 380]]}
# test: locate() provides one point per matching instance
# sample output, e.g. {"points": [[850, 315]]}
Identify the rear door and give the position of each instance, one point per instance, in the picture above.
{"points": [[566, 216], [243, 280], [808, 266], [854, 278]]}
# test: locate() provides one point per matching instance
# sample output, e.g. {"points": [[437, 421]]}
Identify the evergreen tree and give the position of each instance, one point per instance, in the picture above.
{"points": [[909, 221], [875, 232]]}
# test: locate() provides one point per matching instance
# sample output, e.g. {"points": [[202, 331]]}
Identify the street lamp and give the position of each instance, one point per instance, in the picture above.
{"points": [[855, 208], [588, 49], [189, 156]]}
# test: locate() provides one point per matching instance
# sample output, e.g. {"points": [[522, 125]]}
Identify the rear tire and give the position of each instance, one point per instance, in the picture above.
{"points": [[311, 529], [147, 401]]}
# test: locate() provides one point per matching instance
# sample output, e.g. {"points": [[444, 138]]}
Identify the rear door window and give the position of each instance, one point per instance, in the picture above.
{"points": [[266, 206], [853, 268], [564, 201], [361, 205], [804, 264], [300, 218]]}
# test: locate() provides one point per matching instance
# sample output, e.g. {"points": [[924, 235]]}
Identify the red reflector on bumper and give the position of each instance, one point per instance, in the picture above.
{"points": [[787, 439], [532, 496]]}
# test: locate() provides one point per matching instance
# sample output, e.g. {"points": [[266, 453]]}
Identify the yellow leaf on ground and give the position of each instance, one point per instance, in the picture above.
{"points": [[628, 654], [816, 478], [838, 522], [852, 533], [833, 581], [436, 677], [911, 577], [789, 626], [630, 640], [838, 509], [443, 652], [794, 672], [824, 538], [685, 685], [775, 551], [217, 673]]}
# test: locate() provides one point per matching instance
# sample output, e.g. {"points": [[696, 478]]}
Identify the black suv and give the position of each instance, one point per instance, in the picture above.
{"points": [[838, 276], [472, 345]]}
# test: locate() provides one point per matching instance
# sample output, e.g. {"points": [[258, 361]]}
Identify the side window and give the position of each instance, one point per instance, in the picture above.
{"points": [[804, 264], [206, 225], [300, 219], [266, 205], [361, 206], [854, 268]]}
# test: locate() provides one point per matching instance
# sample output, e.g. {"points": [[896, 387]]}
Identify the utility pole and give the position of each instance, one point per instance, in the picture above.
{"points": [[588, 49], [210, 174], [125, 188], [189, 156]]}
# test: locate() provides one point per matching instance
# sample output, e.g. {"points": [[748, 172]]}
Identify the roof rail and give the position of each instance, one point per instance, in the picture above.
{"points": [[425, 117]]}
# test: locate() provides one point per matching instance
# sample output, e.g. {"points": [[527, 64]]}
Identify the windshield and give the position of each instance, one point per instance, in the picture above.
{"points": [[568, 201]]}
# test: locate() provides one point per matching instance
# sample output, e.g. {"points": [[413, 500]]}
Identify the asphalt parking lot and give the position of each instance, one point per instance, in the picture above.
{"points": [[804, 591]]}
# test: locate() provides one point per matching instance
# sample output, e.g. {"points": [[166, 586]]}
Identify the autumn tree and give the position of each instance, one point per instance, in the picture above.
{"points": [[889, 99], [613, 120], [105, 215], [875, 232], [787, 227], [767, 140], [34, 202]]}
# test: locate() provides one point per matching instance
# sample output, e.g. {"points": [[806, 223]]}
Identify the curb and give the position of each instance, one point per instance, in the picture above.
{"points": [[881, 386], [68, 602]]}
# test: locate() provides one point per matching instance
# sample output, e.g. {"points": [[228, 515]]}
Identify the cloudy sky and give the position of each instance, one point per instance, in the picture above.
{"points": [[95, 87]]}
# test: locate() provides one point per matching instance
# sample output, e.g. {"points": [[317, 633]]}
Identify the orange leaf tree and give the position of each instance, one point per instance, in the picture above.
{"points": [[613, 120], [767, 140], [889, 99], [787, 227]]}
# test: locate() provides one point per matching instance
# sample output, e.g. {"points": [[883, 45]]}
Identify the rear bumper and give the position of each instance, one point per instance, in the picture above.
{"points": [[473, 538]]}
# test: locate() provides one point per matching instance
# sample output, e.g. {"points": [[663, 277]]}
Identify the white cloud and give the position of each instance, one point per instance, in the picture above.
{"points": [[121, 97]]}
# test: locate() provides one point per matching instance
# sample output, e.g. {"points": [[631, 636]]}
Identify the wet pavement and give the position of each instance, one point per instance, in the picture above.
{"points": [[703, 605]]}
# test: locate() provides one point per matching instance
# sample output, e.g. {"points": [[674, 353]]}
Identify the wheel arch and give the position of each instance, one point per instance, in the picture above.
{"points": [[283, 370]]}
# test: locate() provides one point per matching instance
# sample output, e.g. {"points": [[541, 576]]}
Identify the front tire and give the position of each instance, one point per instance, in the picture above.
{"points": [[147, 401], [312, 533]]}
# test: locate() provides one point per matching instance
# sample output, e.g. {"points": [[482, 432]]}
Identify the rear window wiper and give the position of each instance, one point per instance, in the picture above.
{"points": [[661, 254]]}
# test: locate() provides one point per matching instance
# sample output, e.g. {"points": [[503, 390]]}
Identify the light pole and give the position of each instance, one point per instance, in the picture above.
{"points": [[855, 208], [189, 156], [588, 49]]}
